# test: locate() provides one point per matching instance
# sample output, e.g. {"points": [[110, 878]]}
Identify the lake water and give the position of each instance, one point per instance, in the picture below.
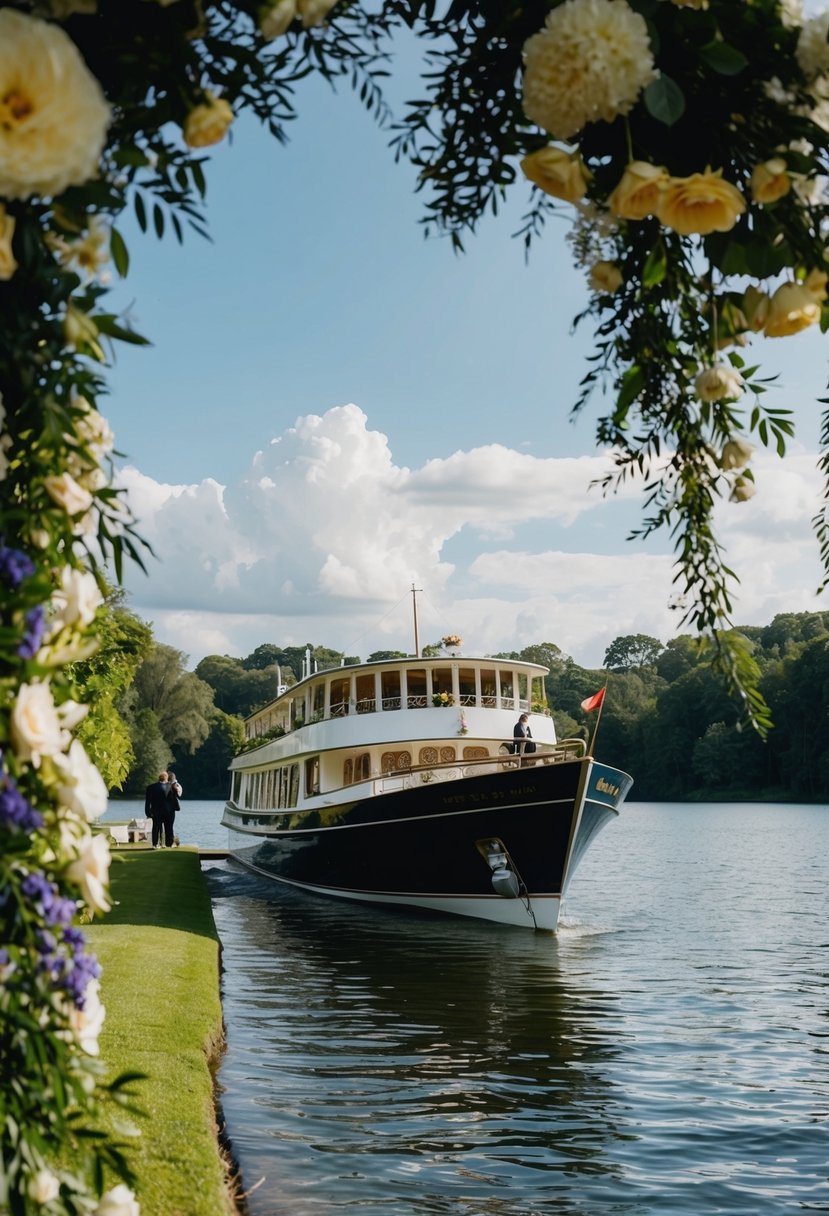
{"points": [[667, 1052]]}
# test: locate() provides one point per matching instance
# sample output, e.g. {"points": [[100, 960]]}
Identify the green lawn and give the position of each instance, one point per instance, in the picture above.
{"points": [[160, 957]]}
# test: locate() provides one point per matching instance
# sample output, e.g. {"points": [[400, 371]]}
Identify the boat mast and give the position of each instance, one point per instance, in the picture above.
{"points": [[414, 614]]}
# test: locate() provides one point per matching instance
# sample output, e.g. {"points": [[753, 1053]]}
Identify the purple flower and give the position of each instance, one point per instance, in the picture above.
{"points": [[35, 628], [15, 811], [14, 565]]}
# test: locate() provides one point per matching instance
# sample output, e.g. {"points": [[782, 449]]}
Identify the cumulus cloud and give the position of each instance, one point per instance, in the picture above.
{"points": [[323, 536]]}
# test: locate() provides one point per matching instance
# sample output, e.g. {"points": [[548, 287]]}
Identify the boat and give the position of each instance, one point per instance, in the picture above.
{"points": [[398, 782]]}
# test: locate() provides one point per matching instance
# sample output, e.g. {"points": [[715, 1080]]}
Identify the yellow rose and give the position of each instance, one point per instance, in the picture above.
{"points": [[701, 203], [208, 123], [556, 172], [770, 181], [792, 308], [275, 19], [8, 264], [743, 489], [605, 277], [756, 308], [314, 12], [719, 383], [815, 284], [638, 193]]}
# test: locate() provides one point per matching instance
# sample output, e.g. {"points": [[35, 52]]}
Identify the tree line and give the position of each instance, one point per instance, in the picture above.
{"points": [[666, 718]]}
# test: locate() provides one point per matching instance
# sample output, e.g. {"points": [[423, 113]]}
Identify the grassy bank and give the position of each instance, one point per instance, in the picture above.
{"points": [[160, 956]]}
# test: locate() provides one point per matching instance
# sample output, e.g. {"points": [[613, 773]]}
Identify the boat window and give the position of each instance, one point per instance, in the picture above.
{"points": [[466, 686], [523, 691], [507, 690], [362, 767], [489, 689], [269, 787], [312, 776], [339, 697], [442, 681], [319, 700], [236, 788], [474, 753], [348, 771], [391, 761], [390, 689], [447, 755], [427, 755], [416, 687], [366, 703], [284, 785]]}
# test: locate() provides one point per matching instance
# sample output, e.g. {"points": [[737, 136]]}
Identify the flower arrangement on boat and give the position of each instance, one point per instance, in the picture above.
{"points": [[442, 699]]}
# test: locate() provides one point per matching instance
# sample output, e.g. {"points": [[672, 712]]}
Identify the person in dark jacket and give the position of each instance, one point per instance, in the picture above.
{"points": [[157, 808], [523, 736], [173, 804]]}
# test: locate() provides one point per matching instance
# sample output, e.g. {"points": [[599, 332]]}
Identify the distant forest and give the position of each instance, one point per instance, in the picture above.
{"points": [[666, 718]]}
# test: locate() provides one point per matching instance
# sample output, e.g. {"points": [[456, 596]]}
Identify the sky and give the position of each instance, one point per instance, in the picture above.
{"points": [[335, 409]]}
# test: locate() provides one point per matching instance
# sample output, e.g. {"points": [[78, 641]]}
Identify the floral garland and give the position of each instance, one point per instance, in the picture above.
{"points": [[688, 144]]}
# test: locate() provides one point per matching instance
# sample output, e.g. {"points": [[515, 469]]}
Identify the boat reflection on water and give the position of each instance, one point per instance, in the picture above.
{"points": [[408, 1063]]}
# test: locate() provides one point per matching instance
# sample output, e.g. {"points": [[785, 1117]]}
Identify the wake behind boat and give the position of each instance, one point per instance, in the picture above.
{"points": [[398, 782]]}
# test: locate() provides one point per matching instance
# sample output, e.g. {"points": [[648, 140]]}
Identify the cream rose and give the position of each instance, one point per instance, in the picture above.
{"points": [[815, 284], [792, 308], [718, 383], [556, 172], [275, 19], [701, 203], [53, 114], [90, 870], [639, 191], [36, 729], [8, 262], [590, 62], [44, 1187], [314, 12], [812, 46], [206, 124], [736, 454], [605, 277], [770, 181], [742, 490], [120, 1201], [80, 786], [65, 491]]}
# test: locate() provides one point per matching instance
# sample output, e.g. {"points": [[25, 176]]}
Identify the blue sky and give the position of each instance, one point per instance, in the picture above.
{"points": [[334, 408]]}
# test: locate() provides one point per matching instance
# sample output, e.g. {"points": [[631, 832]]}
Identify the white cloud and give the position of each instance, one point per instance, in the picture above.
{"points": [[324, 535]]}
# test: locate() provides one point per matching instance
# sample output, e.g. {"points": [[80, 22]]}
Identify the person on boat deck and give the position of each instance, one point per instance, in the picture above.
{"points": [[157, 808], [523, 736], [173, 804]]}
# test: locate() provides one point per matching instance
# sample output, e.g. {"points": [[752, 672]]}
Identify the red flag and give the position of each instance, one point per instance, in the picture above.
{"points": [[595, 701]]}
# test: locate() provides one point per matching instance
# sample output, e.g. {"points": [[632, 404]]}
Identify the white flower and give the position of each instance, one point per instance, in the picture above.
{"points": [[53, 114], [791, 13], [718, 383], [77, 599], [81, 787], [812, 46], [90, 870], [120, 1201], [65, 491], [743, 489], [44, 1187], [736, 454], [36, 729], [275, 19], [590, 62], [93, 430], [87, 1022]]}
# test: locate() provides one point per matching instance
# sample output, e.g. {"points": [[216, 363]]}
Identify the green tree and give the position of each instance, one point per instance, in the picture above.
{"points": [[632, 651], [101, 681], [151, 752], [182, 703], [238, 689], [205, 774]]}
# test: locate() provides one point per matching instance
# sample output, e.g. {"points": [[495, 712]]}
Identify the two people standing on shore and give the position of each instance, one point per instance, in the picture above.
{"points": [[161, 802]]}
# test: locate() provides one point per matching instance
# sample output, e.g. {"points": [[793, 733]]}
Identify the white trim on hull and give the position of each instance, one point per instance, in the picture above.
{"points": [[543, 911]]}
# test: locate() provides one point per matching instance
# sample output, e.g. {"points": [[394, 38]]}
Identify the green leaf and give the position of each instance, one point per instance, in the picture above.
{"points": [[119, 253], [725, 59], [656, 266], [664, 100]]}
